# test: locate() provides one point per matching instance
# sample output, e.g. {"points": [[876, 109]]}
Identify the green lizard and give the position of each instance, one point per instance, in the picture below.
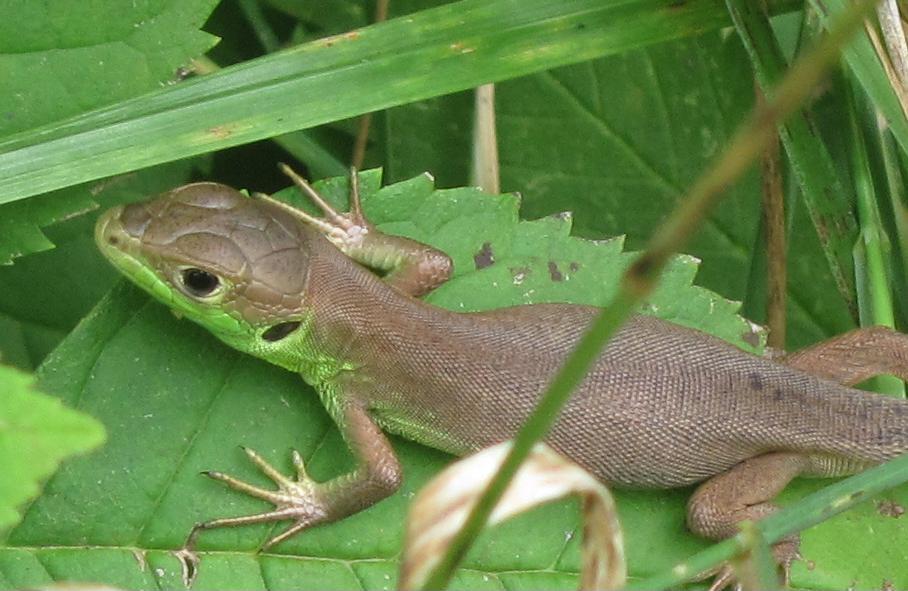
{"points": [[664, 406]]}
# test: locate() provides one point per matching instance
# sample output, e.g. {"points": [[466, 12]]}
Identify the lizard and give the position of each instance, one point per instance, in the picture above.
{"points": [[337, 301]]}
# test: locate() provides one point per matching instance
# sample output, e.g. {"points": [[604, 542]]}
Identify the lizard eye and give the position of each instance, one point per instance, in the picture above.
{"points": [[279, 331], [199, 283]]}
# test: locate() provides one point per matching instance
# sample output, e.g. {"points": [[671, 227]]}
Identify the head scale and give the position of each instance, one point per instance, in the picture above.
{"points": [[236, 265]]}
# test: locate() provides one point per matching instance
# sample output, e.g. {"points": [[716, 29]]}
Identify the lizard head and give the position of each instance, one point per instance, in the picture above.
{"points": [[234, 264]]}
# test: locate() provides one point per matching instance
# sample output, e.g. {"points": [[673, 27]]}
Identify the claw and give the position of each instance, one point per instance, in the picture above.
{"points": [[267, 469], [189, 563], [784, 552], [271, 496], [725, 578], [297, 499], [356, 208], [345, 230], [300, 466], [290, 531], [304, 185]]}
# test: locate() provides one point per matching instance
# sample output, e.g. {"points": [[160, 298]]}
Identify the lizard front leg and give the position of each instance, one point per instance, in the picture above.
{"points": [[745, 492], [411, 267], [855, 356], [307, 502]]}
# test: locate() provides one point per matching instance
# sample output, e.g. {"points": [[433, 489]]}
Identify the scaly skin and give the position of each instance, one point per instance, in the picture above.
{"points": [[664, 406]]}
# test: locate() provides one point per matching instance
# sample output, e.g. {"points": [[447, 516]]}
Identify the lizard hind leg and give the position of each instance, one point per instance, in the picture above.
{"points": [[745, 492], [855, 356]]}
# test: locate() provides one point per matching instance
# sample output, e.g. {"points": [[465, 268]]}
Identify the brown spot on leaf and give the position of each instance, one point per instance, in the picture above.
{"points": [[554, 273], [333, 39], [485, 257], [574, 266], [889, 508], [220, 131], [752, 338]]}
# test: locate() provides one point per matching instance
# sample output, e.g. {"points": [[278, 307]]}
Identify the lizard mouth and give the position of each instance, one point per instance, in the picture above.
{"points": [[105, 235], [112, 240], [124, 251]]}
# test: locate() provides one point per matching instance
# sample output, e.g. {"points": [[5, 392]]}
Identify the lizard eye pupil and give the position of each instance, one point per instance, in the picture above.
{"points": [[279, 331], [198, 282]]}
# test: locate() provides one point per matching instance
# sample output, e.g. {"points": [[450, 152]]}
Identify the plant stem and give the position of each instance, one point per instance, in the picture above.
{"points": [[639, 280]]}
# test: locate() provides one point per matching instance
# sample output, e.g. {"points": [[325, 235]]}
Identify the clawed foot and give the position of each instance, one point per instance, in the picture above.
{"points": [[347, 230], [784, 553], [407, 265], [298, 499]]}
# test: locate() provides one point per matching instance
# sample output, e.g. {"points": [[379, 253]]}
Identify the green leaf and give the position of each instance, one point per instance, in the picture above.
{"points": [[36, 433], [44, 295], [618, 155], [429, 53], [100, 53], [839, 551], [21, 223], [191, 401], [59, 61]]}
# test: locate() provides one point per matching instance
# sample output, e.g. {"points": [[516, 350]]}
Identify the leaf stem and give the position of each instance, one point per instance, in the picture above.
{"points": [[871, 249], [825, 197]]}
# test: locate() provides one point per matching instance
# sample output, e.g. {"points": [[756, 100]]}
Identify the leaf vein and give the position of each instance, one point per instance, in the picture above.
{"points": [[187, 448], [604, 129]]}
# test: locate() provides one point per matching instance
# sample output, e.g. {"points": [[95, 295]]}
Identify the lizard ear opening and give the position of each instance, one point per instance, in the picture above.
{"points": [[279, 331]]}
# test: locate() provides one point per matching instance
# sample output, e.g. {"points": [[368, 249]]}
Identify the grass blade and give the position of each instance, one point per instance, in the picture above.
{"points": [[429, 53]]}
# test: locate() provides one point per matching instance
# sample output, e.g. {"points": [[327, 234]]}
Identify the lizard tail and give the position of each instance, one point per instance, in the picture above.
{"points": [[862, 429]]}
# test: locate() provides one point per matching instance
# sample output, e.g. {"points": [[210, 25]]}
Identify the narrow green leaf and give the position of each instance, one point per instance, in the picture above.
{"points": [[641, 278], [824, 194], [58, 61], [433, 52], [871, 75], [871, 252]]}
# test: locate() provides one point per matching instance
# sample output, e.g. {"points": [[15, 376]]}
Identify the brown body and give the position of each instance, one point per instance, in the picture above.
{"points": [[664, 406]]}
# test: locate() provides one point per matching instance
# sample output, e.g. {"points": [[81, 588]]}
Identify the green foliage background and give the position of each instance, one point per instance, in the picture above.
{"points": [[614, 140]]}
